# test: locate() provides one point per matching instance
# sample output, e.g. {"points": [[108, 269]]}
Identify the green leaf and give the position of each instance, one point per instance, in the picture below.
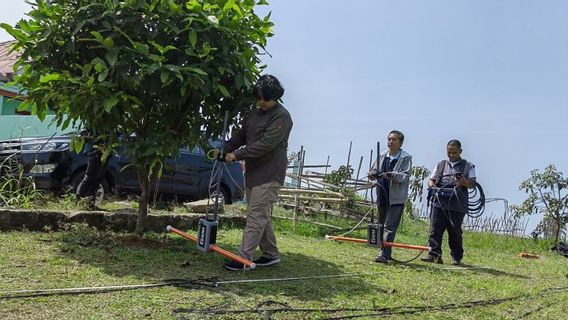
{"points": [[50, 77], [102, 76], [223, 90], [192, 38], [18, 34], [164, 76], [197, 70], [98, 36], [24, 106], [99, 64], [141, 48], [152, 68], [111, 57], [109, 103], [228, 5], [108, 43]]}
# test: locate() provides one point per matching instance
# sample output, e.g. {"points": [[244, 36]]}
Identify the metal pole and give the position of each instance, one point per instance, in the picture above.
{"points": [[220, 170]]}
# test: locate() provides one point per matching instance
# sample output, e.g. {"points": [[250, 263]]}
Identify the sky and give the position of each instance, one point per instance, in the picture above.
{"points": [[493, 74]]}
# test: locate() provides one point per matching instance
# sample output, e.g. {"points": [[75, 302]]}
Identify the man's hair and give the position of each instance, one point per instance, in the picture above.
{"points": [[455, 142], [268, 88], [399, 134]]}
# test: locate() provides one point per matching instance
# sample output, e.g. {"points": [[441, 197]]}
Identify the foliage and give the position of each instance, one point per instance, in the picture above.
{"points": [[339, 176], [547, 194], [415, 189], [16, 190], [163, 71]]}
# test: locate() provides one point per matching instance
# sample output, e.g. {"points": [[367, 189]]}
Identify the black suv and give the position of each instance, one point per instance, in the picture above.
{"points": [[54, 167]]}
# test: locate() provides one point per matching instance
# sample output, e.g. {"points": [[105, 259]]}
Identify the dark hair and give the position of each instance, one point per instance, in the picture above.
{"points": [[399, 134], [268, 88], [455, 142]]}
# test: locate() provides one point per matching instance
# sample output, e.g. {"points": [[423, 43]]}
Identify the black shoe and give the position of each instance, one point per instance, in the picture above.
{"points": [[456, 262], [265, 262], [433, 259], [382, 259], [235, 266]]}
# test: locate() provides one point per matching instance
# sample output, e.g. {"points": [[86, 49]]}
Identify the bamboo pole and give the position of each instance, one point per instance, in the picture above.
{"points": [[298, 185], [296, 197], [370, 164], [347, 165], [385, 243], [312, 222], [310, 191]]}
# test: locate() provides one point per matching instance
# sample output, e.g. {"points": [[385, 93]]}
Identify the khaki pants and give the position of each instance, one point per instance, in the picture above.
{"points": [[258, 229]]}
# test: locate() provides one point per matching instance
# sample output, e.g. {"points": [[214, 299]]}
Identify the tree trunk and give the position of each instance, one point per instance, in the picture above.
{"points": [[558, 229], [144, 199]]}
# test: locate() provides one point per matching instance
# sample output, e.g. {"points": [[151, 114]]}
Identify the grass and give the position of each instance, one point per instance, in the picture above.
{"points": [[494, 284]]}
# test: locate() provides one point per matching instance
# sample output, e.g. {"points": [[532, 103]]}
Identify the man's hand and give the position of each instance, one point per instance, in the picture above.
{"points": [[230, 157], [462, 181], [387, 175], [372, 175]]}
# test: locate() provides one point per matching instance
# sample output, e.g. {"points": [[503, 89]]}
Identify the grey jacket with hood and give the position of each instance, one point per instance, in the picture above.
{"points": [[400, 180]]}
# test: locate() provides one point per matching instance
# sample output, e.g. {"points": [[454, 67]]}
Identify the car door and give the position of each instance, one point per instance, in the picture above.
{"points": [[129, 177], [192, 174]]}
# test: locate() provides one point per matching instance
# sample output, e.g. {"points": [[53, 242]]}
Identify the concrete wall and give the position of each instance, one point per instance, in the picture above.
{"points": [[16, 126]]}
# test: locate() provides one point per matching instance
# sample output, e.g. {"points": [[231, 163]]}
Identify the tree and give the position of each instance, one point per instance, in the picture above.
{"points": [[339, 176], [162, 71], [547, 194], [416, 188]]}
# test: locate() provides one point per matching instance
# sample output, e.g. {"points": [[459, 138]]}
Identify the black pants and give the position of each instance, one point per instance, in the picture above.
{"points": [[440, 222], [93, 176]]}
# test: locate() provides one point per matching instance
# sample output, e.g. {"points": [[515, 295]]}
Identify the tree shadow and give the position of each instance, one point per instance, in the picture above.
{"points": [[300, 276], [461, 268]]}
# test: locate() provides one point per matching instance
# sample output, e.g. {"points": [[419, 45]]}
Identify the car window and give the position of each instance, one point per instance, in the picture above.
{"points": [[196, 150]]}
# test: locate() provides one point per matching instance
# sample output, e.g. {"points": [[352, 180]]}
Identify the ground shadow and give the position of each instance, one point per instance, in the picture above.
{"points": [[463, 267], [300, 276]]}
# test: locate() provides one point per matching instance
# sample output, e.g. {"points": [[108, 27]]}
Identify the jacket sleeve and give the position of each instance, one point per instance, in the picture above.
{"points": [[403, 175], [272, 137]]}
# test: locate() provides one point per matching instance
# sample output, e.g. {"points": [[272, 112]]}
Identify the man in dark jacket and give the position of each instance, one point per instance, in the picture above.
{"points": [[262, 143]]}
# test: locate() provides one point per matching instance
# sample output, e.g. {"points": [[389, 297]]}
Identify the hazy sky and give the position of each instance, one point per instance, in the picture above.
{"points": [[493, 74]]}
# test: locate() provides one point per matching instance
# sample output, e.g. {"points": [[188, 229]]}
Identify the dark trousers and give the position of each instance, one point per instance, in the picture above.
{"points": [[440, 222], [93, 176], [390, 217]]}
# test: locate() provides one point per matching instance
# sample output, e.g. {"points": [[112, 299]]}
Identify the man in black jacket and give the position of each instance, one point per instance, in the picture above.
{"points": [[262, 143]]}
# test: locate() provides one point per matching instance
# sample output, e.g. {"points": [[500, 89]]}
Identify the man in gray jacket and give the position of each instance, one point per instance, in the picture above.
{"points": [[262, 143], [393, 178]]}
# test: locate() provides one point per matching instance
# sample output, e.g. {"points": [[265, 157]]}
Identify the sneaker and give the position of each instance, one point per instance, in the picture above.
{"points": [[265, 262], [433, 259], [456, 262], [235, 266], [382, 259]]}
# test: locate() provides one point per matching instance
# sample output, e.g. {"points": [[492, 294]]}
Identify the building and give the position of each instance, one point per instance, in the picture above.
{"points": [[16, 123]]}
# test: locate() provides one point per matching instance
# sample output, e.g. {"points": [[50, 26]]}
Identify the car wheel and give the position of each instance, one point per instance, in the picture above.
{"points": [[102, 190], [223, 196]]}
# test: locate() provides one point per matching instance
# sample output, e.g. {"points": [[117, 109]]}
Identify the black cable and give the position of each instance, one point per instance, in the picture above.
{"points": [[284, 307], [475, 205]]}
